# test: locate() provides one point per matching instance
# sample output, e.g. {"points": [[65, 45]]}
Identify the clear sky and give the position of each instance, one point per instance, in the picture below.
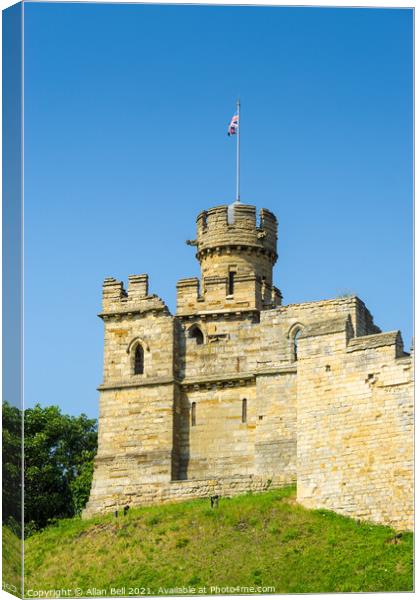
{"points": [[126, 111]]}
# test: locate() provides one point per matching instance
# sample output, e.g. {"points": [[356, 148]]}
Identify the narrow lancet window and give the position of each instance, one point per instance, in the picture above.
{"points": [[193, 414], [244, 410], [295, 344], [231, 283], [139, 360]]}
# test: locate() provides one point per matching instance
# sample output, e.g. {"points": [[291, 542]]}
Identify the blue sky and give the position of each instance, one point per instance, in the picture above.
{"points": [[126, 110]]}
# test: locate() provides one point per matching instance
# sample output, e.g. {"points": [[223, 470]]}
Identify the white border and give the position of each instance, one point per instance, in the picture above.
{"points": [[320, 3]]}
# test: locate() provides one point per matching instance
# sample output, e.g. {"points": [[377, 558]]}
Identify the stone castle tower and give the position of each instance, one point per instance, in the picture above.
{"points": [[237, 392]]}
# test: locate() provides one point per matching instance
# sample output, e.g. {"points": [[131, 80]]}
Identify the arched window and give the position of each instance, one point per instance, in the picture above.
{"points": [[244, 411], [139, 360], [295, 341], [196, 334], [193, 414]]}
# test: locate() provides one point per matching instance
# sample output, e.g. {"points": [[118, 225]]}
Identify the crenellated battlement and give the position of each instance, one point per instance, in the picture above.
{"points": [[116, 299], [236, 225], [138, 286]]}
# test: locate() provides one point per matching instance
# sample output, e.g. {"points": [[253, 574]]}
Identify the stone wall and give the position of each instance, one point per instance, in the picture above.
{"points": [[218, 375], [219, 444], [179, 491], [278, 326], [231, 346], [275, 434], [355, 424], [135, 444], [136, 411]]}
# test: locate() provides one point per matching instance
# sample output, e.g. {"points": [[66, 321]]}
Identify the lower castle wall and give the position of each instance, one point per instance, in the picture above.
{"points": [[355, 430], [275, 434], [135, 439], [179, 491], [219, 444]]}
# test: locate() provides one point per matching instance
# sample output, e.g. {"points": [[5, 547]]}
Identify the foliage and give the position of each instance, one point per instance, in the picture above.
{"points": [[12, 465], [59, 450], [263, 540], [80, 486], [58, 467]]}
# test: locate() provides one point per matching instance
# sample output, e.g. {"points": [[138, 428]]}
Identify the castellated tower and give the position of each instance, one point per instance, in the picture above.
{"points": [[236, 259], [237, 392]]}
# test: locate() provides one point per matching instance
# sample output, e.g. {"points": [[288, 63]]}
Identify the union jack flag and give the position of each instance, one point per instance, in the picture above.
{"points": [[234, 125]]}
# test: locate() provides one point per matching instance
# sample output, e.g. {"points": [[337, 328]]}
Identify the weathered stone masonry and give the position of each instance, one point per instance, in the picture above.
{"points": [[237, 392]]}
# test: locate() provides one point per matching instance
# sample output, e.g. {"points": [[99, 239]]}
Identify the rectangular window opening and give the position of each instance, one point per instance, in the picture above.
{"points": [[231, 283], [193, 414], [244, 411]]}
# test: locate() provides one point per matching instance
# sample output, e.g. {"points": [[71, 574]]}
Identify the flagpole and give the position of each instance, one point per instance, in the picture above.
{"points": [[238, 152]]}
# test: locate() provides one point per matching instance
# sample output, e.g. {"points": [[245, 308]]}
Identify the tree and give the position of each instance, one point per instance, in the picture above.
{"points": [[58, 464], [58, 450], [12, 465], [80, 487]]}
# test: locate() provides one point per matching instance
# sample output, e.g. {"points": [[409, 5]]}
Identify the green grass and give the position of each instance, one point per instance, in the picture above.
{"points": [[11, 561], [264, 540]]}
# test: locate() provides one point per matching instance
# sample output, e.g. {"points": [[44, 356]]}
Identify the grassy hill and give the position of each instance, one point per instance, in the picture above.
{"points": [[252, 541], [11, 561]]}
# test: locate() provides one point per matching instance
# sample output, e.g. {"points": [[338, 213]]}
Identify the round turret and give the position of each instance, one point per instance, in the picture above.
{"points": [[235, 226], [236, 258], [231, 244]]}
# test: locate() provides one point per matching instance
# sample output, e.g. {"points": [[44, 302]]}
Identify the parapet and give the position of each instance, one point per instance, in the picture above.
{"points": [[379, 340], [136, 299], [112, 290], [138, 285], [343, 325], [236, 225], [328, 327], [187, 294]]}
